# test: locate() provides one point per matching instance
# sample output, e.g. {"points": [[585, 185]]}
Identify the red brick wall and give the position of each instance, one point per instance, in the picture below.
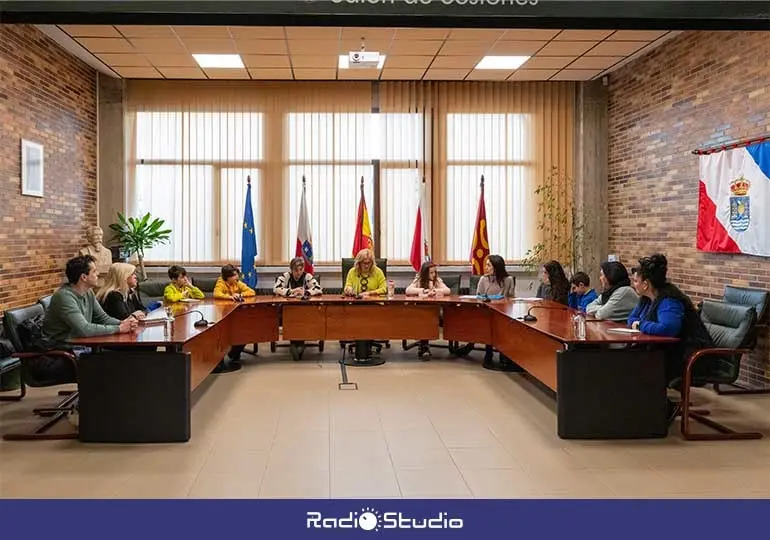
{"points": [[699, 89], [47, 96]]}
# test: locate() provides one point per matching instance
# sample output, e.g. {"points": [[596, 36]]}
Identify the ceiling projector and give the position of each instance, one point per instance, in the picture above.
{"points": [[363, 59]]}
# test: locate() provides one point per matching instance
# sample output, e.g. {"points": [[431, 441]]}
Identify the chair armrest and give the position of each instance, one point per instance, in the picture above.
{"points": [[715, 350], [23, 355]]}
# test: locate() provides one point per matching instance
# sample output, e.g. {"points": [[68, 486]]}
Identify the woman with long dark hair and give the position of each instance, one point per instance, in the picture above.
{"points": [[496, 281], [618, 299], [427, 283], [555, 285]]}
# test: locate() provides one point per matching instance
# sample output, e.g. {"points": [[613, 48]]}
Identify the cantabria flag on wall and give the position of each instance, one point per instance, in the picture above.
{"points": [[734, 201]]}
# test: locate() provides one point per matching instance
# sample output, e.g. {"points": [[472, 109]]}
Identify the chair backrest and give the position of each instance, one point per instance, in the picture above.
{"points": [[745, 296], [474, 284], [730, 325], [152, 288], [347, 264], [453, 282], [15, 318], [205, 284], [45, 301]]}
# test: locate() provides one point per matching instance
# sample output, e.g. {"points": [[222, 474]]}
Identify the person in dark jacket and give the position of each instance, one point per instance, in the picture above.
{"points": [[118, 296], [581, 294], [555, 285]]}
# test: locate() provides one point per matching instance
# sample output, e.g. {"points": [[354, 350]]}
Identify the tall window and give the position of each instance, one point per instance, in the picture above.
{"points": [[333, 151], [495, 146], [191, 170]]}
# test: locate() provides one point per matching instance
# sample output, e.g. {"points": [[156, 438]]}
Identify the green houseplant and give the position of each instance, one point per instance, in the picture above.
{"points": [[138, 234]]}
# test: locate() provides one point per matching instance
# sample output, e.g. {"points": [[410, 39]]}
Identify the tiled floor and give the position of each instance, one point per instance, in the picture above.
{"points": [[440, 429]]}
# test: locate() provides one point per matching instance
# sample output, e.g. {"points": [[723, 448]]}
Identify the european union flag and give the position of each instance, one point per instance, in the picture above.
{"points": [[249, 244]]}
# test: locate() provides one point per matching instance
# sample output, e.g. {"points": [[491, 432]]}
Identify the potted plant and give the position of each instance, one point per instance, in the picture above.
{"points": [[138, 234]]}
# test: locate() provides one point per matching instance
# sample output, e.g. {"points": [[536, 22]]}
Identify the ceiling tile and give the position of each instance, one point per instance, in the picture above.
{"points": [[475, 34], [152, 45], [455, 62], [548, 62], [315, 74], [172, 60], [616, 48], [210, 46], [138, 72], [270, 74], [595, 62], [636, 35], [131, 31], [516, 48], [415, 47], [576, 74], [182, 73], [374, 34], [489, 74], [261, 46], [85, 30], [326, 61], [313, 47], [266, 61], [257, 32], [106, 45], [408, 62], [464, 48], [566, 48], [312, 32], [381, 46], [445, 74], [202, 32], [358, 74], [124, 60], [532, 74], [402, 74], [582, 35], [526, 34], [422, 33], [221, 73]]}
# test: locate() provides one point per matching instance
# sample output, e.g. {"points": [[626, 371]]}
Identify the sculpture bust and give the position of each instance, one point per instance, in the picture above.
{"points": [[97, 250]]}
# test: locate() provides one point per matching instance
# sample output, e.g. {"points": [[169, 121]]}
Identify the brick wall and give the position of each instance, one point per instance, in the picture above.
{"points": [[47, 96], [699, 89]]}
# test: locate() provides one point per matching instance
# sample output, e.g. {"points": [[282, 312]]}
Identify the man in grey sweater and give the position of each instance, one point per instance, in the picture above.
{"points": [[74, 312]]}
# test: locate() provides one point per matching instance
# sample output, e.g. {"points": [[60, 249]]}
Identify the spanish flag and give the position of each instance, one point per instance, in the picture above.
{"points": [[480, 243], [363, 237]]}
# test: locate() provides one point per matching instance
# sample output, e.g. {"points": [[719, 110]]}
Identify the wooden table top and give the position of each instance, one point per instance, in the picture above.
{"points": [[553, 319]]}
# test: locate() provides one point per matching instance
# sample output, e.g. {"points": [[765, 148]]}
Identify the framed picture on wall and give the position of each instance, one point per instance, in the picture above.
{"points": [[31, 168]]}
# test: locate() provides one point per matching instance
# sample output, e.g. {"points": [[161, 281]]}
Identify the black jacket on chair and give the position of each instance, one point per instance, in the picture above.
{"points": [[116, 306]]}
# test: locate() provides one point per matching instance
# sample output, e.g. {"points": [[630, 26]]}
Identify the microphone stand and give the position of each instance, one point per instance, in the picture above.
{"points": [[531, 318], [200, 323]]}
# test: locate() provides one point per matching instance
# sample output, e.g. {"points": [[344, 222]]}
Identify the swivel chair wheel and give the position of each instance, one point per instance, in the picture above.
{"points": [[320, 346], [273, 346], [387, 345]]}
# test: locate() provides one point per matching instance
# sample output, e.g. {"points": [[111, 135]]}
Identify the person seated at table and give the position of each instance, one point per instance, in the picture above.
{"points": [[580, 294], [180, 287], [427, 283], [118, 296], [365, 279], [664, 310], [74, 312], [555, 285], [230, 287], [618, 298], [495, 281], [296, 283]]}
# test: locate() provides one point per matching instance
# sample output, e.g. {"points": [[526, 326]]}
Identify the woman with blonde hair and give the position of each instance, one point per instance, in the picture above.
{"points": [[118, 296], [365, 278]]}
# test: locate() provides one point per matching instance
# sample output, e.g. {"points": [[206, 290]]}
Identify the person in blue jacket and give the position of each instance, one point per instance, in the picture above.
{"points": [[580, 294]]}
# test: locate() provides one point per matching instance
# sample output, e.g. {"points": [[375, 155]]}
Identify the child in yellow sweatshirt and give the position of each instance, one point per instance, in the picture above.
{"points": [[180, 286], [230, 287]]}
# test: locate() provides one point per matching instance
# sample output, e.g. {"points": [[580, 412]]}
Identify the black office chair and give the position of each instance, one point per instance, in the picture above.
{"points": [[347, 265], [453, 282], [8, 365], [21, 326], [45, 301], [759, 299], [274, 345], [733, 328]]}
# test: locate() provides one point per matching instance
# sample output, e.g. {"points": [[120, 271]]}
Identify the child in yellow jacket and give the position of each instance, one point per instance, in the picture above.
{"points": [[180, 286], [230, 287]]}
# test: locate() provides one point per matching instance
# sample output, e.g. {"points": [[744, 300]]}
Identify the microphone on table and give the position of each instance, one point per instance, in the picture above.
{"points": [[531, 318], [200, 323], [485, 298]]}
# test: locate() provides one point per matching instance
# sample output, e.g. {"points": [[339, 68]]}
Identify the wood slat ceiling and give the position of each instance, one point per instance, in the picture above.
{"points": [[311, 53]]}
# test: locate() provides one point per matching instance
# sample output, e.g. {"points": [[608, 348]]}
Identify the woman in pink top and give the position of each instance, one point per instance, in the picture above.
{"points": [[427, 283]]}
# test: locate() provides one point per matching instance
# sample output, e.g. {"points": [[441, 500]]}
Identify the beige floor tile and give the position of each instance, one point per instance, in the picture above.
{"points": [[483, 458], [413, 439], [367, 482], [432, 483], [293, 483], [224, 461], [226, 486], [156, 486], [500, 484], [421, 458]]}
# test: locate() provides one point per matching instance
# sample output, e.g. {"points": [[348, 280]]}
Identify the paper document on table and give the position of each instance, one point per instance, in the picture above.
{"points": [[469, 296], [529, 299], [155, 316], [190, 300], [624, 330]]}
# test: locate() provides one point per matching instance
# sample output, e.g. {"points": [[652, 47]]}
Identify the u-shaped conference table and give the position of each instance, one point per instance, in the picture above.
{"points": [[608, 385]]}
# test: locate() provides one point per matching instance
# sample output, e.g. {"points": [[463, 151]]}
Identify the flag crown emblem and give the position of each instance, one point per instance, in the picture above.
{"points": [[740, 186]]}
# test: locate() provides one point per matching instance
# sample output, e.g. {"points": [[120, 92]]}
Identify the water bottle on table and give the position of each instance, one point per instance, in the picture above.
{"points": [[579, 323], [391, 288]]}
